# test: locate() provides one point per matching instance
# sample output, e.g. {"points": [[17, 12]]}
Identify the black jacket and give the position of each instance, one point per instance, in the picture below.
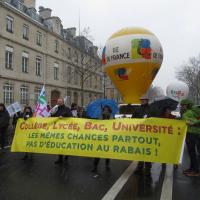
{"points": [[142, 112], [63, 111], [16, 116], [4, 118]]}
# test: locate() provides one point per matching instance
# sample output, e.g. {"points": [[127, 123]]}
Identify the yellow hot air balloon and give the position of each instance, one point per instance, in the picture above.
{"points": [[131, 58]]}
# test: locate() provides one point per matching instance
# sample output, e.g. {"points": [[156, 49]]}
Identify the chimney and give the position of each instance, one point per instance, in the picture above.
{"points": [[45, 12], [71, 31], [29, 3]]}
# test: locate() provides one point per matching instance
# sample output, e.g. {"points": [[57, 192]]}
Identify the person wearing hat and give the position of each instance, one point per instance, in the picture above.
{"points": [[190, 114], [143, 112]]}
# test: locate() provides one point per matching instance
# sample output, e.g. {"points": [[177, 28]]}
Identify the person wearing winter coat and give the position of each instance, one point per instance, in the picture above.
{"points": [[16, 116], [62, 111], [143, 112], [106, 114], [4, 123], [190, 114], [27, 113], [74, 109]]}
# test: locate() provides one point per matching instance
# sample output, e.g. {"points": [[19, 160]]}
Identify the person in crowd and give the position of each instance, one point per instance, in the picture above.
{"points": [[62, 111], [74, 109], [143, 112], [81, 113], [4, 123], [106, 114], [190, 115], [167, 113], [27, 113], [16, 116], [48, 107]]}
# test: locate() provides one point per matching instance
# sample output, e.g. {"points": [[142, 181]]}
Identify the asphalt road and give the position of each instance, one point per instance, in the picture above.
{"points": [[41, 179]]}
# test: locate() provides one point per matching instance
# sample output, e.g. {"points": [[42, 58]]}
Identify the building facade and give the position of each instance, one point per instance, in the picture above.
{"points": [[36, 50]]}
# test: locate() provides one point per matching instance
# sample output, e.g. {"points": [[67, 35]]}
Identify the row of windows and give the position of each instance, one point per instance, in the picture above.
{"points": [[71, 75], [25, 30], [25, 61], [25, 35], [8, 94]]}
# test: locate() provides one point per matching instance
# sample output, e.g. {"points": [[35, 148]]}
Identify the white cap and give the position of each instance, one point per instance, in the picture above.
{"points": [[144, 97]]}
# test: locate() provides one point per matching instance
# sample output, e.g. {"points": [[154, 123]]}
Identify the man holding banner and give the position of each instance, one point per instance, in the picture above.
{"points": [[143, 112], [62, 111]]}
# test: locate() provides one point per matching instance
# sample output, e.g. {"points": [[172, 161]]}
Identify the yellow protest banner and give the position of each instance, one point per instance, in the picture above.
{"points": [[151, 139]]}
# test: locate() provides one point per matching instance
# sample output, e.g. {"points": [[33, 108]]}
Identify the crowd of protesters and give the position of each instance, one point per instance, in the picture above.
{"points": [[188, 112]]}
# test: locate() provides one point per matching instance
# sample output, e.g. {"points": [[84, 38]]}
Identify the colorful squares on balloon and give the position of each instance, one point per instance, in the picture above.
{"points": [[141, 48], [121, 74]]}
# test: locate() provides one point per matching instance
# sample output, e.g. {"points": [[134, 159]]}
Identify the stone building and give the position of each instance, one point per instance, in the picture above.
{"points": [[35, 49]]}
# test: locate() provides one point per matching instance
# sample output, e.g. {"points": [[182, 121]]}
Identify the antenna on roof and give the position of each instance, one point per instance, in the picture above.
{"points": [[79, 23]]}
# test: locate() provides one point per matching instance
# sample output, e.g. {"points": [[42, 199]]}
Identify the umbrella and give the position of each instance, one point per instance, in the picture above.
{"points": [[94, 109], [157, 107]]}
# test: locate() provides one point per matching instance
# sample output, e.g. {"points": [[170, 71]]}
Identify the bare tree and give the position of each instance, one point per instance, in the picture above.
{"points": [[86, 33], [86, 60], [88, 69], [190, 73]]}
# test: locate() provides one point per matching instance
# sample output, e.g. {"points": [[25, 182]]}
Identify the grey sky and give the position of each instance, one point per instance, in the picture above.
{"points": [[174, 22]]}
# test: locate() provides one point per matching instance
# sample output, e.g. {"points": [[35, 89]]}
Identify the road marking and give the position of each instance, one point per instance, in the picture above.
{"points": [[6, 147], [116, 188], [166, 193]]}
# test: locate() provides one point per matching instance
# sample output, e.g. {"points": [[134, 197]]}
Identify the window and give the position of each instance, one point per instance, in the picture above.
{"points": [[90, 97], [56, 71], [24, 95], [101, 83], [69, 96], [37, 93], [25, 62], [9, 58], [38, 66], [69, 73], [9, 24], [95, 82], [57, 24], [39, 38], [25, 32], [75, 77], [76, 56], [8, 94], [69, 53], [87, 83], [56, 46]]}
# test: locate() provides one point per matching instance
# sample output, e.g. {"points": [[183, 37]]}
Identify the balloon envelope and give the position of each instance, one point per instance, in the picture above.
{"points": [[132, 57], [177, 90]]}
